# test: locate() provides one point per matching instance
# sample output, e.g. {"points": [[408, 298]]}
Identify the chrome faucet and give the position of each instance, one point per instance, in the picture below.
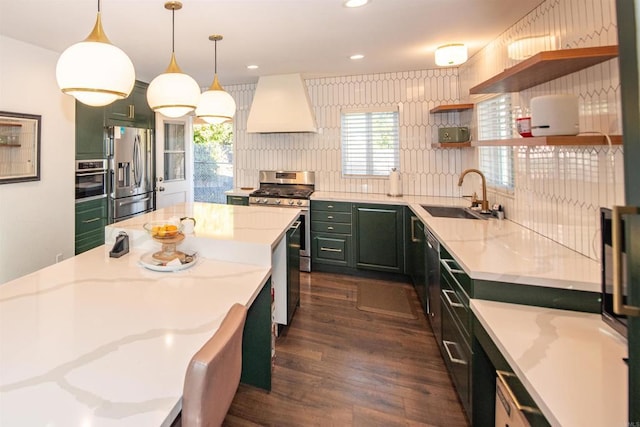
{"points": [[484, 202]]}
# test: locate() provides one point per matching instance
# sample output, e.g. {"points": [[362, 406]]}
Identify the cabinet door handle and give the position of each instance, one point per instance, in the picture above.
{"points": [[330, 217], [514, 399], [413, 229], [132, 111], [451, 271], [619, 307], [451, 358], [88, 221], [329, 206], [330, 249], [446, 293], [329, 228]]}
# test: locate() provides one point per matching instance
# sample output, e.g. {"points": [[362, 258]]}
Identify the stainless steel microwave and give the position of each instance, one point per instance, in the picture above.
{"points": [[616, 321]]}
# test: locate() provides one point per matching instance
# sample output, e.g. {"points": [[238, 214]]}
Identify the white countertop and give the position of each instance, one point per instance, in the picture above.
{"points": [[570, 363], [98, 341], [495, 250], [240, 191]]}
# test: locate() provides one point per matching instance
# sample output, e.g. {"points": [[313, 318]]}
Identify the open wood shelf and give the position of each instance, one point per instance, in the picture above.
{"points": [[10, 145], [545, 66], [451, 144], [551, 141], [451, 108], [10, 124]]}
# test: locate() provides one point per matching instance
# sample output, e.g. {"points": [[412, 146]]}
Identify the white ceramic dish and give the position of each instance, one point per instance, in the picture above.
{"points": [[148, 261]]}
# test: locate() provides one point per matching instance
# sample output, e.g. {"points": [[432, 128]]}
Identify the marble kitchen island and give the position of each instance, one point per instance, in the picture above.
{"points": [[100, 341]]}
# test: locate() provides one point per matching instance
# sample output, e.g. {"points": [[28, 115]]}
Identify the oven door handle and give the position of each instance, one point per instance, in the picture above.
{"points": [[619, 307], [101, 172]]}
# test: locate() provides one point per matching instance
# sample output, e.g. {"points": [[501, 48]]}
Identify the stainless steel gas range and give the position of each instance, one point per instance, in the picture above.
{"points": [[289, 189]]}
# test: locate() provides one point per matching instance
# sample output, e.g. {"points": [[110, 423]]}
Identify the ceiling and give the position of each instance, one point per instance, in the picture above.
{"points": [[312, 37]]}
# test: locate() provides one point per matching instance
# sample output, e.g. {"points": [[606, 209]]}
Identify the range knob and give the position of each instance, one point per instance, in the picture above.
{"points": [[278, 201], [299, 203], [290, 202], [265, 201]]}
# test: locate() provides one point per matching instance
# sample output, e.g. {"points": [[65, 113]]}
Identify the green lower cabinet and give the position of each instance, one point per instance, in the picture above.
{"points": [[331, 235], [256, 342], [379, 237], [238, 200], [91, 219]]}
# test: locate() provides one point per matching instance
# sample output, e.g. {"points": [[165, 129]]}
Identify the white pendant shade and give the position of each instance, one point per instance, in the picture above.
{"points": [[173, 94], [451, 54], [216, 106], [94, 71]]}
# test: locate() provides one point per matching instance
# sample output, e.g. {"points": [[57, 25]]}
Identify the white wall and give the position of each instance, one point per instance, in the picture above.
{"points": [[37, 218], [424, 170], [559, 190]]}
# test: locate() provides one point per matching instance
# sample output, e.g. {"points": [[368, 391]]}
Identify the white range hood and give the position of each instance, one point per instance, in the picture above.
{"points": [[281, 104]]}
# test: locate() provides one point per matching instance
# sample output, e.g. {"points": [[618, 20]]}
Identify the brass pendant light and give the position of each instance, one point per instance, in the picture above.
{"points": [[216, 105], [94, 71], [173, 93]]}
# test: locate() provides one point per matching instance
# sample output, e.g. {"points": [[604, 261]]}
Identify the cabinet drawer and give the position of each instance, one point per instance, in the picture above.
{"points": [[330, 227], [340, 217], [334, 249], [319, 205], [89, 240], [457, 356], [457, 302], [91, 217], [238, 200]]}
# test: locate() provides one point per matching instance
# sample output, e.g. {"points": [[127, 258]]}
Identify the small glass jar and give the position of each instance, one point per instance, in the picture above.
{"points": [[523, 122]]}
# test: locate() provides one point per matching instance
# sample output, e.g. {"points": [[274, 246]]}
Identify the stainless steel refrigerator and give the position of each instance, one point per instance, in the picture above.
{"points": [[131, 172]]}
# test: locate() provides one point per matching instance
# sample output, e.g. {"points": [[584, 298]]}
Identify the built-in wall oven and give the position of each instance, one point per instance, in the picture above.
{"points": [[91, 179], [289, 189]]}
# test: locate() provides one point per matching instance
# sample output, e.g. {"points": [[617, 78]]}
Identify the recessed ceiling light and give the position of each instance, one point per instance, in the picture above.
{"points": [[355, 3], [252, 67], [357, 56]]}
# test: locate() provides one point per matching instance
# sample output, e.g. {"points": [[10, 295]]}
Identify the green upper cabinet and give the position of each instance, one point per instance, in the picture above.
{"points": [[89, 132], [133, 111], [379, 237]]}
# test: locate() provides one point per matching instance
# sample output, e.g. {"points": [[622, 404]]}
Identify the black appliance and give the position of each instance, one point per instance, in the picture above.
{"points": [[91, 179], [289, 189], [616, 321]]}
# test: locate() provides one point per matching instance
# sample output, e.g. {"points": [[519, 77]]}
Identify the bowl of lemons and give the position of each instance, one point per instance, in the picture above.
{"points": [[164, 229]]}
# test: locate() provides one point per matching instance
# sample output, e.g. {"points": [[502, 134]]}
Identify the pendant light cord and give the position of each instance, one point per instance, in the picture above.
{"points": [[215, 57], [98, 6], [173, 30]]}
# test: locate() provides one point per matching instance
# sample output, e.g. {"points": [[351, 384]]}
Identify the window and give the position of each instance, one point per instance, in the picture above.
{"points": [[495, 121], [370, 142]]}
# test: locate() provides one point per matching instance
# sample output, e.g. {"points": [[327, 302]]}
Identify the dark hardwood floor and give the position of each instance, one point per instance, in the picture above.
{"points": [[339, 366]]}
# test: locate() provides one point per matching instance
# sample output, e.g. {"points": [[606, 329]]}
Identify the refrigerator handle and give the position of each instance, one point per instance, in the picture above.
{"points": [[137, 177]]}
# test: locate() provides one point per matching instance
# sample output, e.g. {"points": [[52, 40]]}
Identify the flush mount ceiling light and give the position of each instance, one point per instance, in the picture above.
{"points": [[356, 56], [94, 71], [355, 3], [252, 67], [451, 54], [173, 93], [216, 105]]}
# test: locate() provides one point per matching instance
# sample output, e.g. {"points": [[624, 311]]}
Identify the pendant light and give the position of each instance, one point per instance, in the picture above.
{"points": [[216, 105], [94, 71], [173, 93]]}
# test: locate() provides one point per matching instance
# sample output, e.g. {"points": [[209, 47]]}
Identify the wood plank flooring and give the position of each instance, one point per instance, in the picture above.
{"points": [[339, 366]]}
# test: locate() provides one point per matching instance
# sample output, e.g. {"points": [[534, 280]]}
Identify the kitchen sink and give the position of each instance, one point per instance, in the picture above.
{"points": [[452, 212]]}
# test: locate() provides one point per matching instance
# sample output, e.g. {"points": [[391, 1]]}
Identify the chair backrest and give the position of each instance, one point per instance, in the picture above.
{"points": [[213, 375]]}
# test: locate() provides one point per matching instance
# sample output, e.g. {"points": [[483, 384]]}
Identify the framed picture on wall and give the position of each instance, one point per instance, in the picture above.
{"points": [[19, 147]]}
